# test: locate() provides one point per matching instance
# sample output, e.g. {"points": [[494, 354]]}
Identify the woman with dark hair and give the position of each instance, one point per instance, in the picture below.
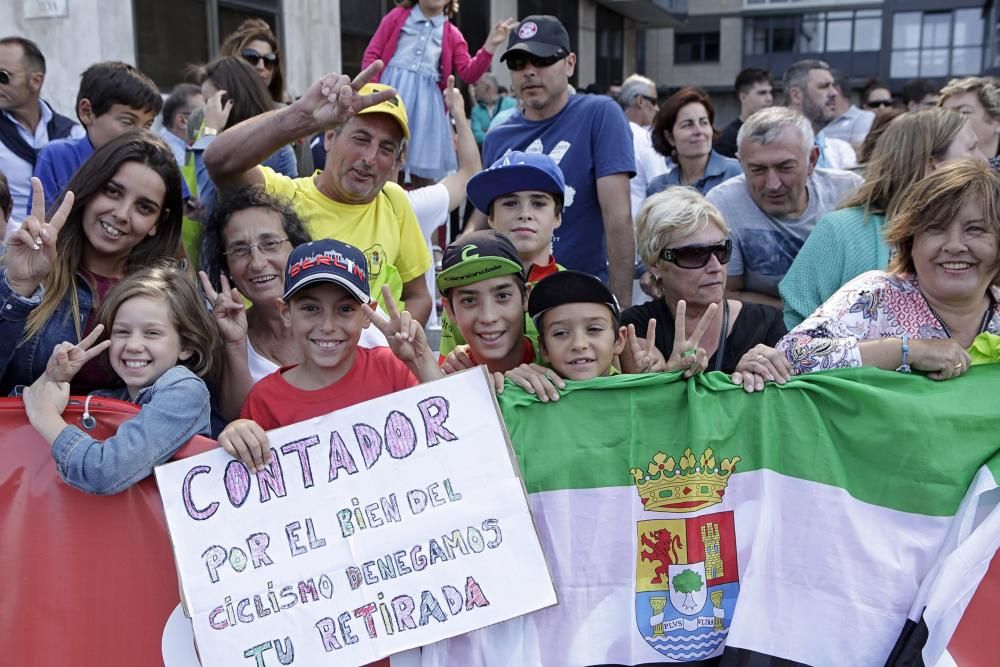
{"points": [[255, 42], [683, 131], [877, 97], [120, 212], [233, 93], [245, 248]]}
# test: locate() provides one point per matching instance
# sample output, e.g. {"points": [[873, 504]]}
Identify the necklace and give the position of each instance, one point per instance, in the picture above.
{"points": [[982, 326]]}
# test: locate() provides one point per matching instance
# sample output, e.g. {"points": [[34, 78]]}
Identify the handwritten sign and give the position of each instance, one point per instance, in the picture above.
{"points": [[381, 527]]}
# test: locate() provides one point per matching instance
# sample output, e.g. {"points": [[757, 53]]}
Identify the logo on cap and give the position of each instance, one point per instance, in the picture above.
{"points": [[468, 252], [527, 30]]}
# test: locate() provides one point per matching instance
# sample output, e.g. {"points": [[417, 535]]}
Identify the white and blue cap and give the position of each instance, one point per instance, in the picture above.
{"points": [[516, 171], [328, 261]]}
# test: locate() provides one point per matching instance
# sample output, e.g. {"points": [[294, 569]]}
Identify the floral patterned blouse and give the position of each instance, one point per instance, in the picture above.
{"points": [[874, 305]]}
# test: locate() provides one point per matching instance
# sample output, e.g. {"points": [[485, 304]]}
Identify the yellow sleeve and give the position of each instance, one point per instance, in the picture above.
{"points": [[414, 258], [278, 184]]}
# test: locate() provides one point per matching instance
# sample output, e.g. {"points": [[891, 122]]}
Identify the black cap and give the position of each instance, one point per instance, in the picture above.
{"points": [[540, 35], [327, 261], [562, 287], [479, 256]]}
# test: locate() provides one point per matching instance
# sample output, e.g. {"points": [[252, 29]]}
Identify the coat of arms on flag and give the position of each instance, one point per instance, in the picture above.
{"points": [[686, 574]]}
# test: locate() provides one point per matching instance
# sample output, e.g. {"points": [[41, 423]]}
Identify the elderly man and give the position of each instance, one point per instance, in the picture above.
{"points": [[638, 99], [584, 134], [489, 103], [351, 200], [809, 89], [26, 122], [773, 206]]}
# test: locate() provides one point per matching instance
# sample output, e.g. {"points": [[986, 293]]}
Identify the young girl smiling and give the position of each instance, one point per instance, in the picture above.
{"points": [[163, 346]]}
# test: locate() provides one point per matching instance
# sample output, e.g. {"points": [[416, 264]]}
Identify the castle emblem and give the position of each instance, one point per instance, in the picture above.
{"points": [[687, 577]]}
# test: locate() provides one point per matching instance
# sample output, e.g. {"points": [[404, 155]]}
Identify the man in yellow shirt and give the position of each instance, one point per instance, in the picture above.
{"points": [[350, 199]]}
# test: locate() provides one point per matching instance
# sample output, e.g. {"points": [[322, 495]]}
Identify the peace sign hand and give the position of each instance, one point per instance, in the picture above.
{"points": [[334, 99], [67, 359], [645, 356], [228, 309], [687, 353], [405, 335], [32, 249]]}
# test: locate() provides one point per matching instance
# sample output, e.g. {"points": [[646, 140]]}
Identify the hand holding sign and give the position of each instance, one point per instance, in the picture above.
{"points": [[246, 440]]}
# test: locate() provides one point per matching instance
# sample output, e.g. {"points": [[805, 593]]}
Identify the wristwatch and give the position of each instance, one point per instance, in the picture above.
{"points": [[904, 366]]}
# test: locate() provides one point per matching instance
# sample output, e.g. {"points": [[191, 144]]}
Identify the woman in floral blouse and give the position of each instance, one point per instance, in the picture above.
{"points": [[938, 295]]}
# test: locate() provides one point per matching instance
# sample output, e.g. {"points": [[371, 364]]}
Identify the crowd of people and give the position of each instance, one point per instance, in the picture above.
{"points": [[605, 235]]}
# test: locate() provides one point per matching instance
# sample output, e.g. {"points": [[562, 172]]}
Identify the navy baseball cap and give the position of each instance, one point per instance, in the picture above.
{"points": [[479, 256], [564, 287], [515, 172], [540, 35], [329, 261]]}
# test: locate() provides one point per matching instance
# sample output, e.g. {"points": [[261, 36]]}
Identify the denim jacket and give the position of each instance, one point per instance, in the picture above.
{"points": [[173, 410], [23, 363]]}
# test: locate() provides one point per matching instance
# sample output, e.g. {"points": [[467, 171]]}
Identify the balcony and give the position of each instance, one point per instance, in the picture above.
{"points": [[650, 13]]}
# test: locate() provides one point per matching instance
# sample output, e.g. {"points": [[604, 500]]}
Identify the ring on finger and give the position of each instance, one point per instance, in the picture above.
{"points": [[760, 357], [958, 366], [690, 353]]}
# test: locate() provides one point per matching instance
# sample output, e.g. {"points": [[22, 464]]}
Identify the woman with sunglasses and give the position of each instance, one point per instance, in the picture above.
{"points": [[684, 241], [255, 42]]}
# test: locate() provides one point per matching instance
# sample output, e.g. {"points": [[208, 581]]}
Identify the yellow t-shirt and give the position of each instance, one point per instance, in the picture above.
{"points": [[386, 229]]}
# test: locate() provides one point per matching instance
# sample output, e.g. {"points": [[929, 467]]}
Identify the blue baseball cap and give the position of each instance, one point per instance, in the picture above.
{"points": [[516, 171], [330, 261]]}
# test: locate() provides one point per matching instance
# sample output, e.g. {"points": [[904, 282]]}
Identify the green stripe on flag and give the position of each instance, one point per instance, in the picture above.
{"points": [[899, 441]]}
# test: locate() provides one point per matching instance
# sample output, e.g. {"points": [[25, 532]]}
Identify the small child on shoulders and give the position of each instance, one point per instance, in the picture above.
{"points": [[326, 304]]}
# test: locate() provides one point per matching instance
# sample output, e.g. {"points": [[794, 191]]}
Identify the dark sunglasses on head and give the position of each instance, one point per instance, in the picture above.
{"points": [[879, 103], [253, 57], [520, 61], [697, 256]]}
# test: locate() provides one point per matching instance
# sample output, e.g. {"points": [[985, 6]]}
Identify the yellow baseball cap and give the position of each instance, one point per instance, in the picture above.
{"points": [[393, 106]]}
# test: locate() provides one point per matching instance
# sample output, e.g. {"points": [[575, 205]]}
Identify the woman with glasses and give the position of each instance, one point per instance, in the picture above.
{"points": [[684, 241], [684, 131], [244, 252]]}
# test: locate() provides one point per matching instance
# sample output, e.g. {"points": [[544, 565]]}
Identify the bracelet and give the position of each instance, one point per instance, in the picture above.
{"points": [[904, 366]]}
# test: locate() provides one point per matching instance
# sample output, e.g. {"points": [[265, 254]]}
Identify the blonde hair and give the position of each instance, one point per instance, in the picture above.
{"points": [[939, 197], [166, 282], [902, 157], [985, 88], [670, 213]]}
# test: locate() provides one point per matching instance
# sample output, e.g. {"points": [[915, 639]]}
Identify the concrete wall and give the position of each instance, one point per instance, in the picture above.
{"points": [[310, 43], [92, 30]]}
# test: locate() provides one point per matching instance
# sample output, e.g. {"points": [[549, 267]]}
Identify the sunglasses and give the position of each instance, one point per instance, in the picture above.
{"points": [[519, 62], [697, 256], [878, 103], [253, 57]]}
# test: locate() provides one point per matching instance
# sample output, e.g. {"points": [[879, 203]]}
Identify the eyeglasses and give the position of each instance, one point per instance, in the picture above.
{"points": [[253, 57], [697, 256], [243, 250], [6, 77], [872, 104], [520, 61]]}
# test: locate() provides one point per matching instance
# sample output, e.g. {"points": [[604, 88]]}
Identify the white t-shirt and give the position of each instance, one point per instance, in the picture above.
{"points": [[648, 165], [430, 204]]}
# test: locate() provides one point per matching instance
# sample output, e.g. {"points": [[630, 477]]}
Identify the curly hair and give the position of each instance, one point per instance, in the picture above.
{"points": [[213, 242]]}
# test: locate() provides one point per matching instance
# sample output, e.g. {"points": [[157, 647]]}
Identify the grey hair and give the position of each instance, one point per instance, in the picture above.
{"points": [[764, 127], [634, 87], [797, 75], [670, 213]]}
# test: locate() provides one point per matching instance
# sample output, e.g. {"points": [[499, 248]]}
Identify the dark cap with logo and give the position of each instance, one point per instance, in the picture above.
{"points": [[515, 172], [329, 261], [564, 287], [479, 256], [540, 35]]}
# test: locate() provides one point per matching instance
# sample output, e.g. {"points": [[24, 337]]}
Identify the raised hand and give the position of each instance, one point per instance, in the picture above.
{"points": [[645, 356], [688, 354], [228, 309], [499, 34], [761, 364], [405, 335], [453, 98], [67, 359], [217, 113], [32, 249], [334, 99]]}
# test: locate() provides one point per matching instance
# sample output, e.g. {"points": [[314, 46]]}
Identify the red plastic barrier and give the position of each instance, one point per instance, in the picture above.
{"points": [[976, 642]]}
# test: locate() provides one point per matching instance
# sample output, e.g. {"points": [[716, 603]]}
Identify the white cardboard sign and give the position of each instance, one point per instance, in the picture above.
{"points": [[381, 527]]}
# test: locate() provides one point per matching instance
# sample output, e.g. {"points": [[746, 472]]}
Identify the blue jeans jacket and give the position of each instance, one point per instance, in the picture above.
{"points": [[23, 363], [172, 411]]}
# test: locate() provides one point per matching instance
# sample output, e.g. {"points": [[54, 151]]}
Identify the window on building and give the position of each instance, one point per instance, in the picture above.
{"points": [[358, 22], [610, 51], [937, 44], [701, 47], [814, 32]]}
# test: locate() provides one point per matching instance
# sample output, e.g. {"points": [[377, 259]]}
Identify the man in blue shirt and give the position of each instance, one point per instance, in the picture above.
{"points": [[589, 138]]}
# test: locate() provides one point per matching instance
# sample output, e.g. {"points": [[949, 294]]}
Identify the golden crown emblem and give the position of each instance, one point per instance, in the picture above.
{"points": [[686, 485]]}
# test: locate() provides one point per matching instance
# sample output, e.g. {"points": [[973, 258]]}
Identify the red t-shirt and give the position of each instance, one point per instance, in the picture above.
{"points": [[527, 353], [273, 402], [538, 271]]}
